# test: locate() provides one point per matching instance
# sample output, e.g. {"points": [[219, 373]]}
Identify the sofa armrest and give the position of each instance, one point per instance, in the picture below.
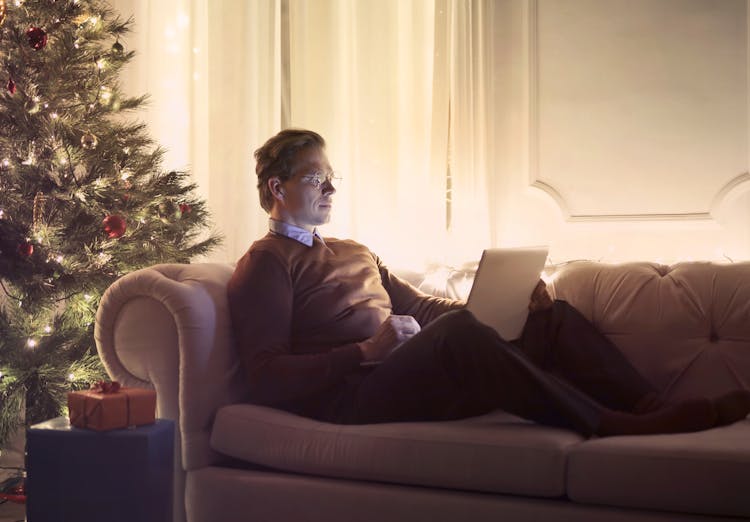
{"points": [[167, 327]]}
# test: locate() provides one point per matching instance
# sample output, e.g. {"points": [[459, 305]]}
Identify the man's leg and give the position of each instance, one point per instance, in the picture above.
{"points": [[457, 367], [562, 341]]}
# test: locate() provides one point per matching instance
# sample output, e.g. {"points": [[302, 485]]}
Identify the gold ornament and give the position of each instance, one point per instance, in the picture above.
{"points": [[89, 141], [3, 11], [81, 18]]}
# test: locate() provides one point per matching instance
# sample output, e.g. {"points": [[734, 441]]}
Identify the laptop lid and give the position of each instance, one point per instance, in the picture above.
{"points": [[502, 287]]}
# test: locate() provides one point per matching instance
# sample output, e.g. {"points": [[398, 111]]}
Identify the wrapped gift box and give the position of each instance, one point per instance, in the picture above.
{"points": [[112, 410], [77, 475]]}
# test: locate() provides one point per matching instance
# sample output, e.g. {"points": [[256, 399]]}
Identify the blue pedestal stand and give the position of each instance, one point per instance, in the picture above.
{"points": [[77, 475]]}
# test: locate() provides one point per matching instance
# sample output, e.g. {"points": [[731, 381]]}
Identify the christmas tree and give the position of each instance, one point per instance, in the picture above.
{"points": [[83, 197]]}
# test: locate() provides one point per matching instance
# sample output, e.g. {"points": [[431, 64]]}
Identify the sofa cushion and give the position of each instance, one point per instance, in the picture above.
{"points": [[703, 472], [494, 453]]}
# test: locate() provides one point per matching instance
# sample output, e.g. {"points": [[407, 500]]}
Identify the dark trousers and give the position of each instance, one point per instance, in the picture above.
{"points": [[561, 372]]}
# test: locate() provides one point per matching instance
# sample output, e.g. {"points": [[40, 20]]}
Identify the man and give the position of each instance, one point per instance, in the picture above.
{"points": [[326, 331]]}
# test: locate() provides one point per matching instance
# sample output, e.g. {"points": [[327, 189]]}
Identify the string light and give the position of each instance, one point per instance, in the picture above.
{"points": [[71, 377], [2, 213], [6, 162], [48, 329], [87, 297], [101, 64], [31, 343], [54, 115]]}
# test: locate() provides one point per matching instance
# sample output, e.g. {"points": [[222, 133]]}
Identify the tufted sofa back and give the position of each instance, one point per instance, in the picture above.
{"points": [[686, 327]]}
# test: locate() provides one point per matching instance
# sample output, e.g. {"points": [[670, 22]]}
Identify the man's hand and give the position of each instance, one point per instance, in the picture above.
{"points": [[394, 331], [540, 298]]}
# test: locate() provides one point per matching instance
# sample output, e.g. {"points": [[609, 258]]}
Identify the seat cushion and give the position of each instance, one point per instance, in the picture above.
{"points": [[492, 453], [703, 472]]}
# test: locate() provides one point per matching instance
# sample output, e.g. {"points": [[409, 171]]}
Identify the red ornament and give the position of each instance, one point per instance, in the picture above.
{"points": [[185, 208], [25, 249], [114, 226], [37, 37], [11, 86]]}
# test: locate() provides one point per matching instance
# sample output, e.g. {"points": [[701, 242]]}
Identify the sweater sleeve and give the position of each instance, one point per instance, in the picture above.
{"points": [[407, 300], [260, 300]]}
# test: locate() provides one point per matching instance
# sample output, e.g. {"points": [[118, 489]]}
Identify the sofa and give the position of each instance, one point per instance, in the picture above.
{"points": [[686, 327]]}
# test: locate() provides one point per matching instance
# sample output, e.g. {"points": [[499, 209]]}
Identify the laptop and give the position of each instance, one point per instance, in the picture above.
{"points": [[502, 287]]}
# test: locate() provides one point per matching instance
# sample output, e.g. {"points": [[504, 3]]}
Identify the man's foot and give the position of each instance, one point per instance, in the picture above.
{"points": [[685, 416], [647, 404], [732, 407]]}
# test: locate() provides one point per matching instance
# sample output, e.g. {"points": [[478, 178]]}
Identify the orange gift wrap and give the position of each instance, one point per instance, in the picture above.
{"points": [[107, 406]]}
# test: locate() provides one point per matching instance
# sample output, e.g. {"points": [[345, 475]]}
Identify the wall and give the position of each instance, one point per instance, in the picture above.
{"points": [[620, 127], [625, 128]]}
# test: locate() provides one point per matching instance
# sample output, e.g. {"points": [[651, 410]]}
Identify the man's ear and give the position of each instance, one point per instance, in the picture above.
{"points": [[274, 185]]}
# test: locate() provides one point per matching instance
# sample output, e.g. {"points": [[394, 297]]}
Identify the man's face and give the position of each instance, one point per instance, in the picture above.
{"points": [[304, 204]]}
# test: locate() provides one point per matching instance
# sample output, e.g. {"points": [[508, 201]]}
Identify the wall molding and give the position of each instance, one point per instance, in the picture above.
{"points": [[736, 185]]}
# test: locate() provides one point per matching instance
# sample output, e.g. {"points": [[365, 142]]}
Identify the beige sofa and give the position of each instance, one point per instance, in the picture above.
{"points": [[686, 327]]}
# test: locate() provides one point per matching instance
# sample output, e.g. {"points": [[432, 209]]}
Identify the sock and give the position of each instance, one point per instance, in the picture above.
{"points": [[689, 415], [732, 407], [647, 403]]}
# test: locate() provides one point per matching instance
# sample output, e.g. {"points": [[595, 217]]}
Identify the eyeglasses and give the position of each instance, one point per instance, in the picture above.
{"points": [[317, 179]]}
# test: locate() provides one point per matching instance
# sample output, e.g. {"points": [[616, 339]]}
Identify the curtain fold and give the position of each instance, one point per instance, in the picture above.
{"points": [[400, 89]]}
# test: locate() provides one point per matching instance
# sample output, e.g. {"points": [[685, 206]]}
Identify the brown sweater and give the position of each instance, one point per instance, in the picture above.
{"points": [[298, 312]]}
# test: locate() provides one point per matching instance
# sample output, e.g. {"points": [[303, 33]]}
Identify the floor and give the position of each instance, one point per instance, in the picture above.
{"points": [[10, 512]]}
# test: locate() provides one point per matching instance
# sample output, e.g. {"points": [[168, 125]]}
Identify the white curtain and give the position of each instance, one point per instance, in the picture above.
{"points": [[402, 90]]}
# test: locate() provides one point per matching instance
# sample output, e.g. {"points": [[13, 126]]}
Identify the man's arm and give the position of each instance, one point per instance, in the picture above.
{"points": [[407, 300], [260, 301]]}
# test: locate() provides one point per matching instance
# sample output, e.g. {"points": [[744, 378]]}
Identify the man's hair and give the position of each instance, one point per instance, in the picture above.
{"points": [[274, 158]]}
